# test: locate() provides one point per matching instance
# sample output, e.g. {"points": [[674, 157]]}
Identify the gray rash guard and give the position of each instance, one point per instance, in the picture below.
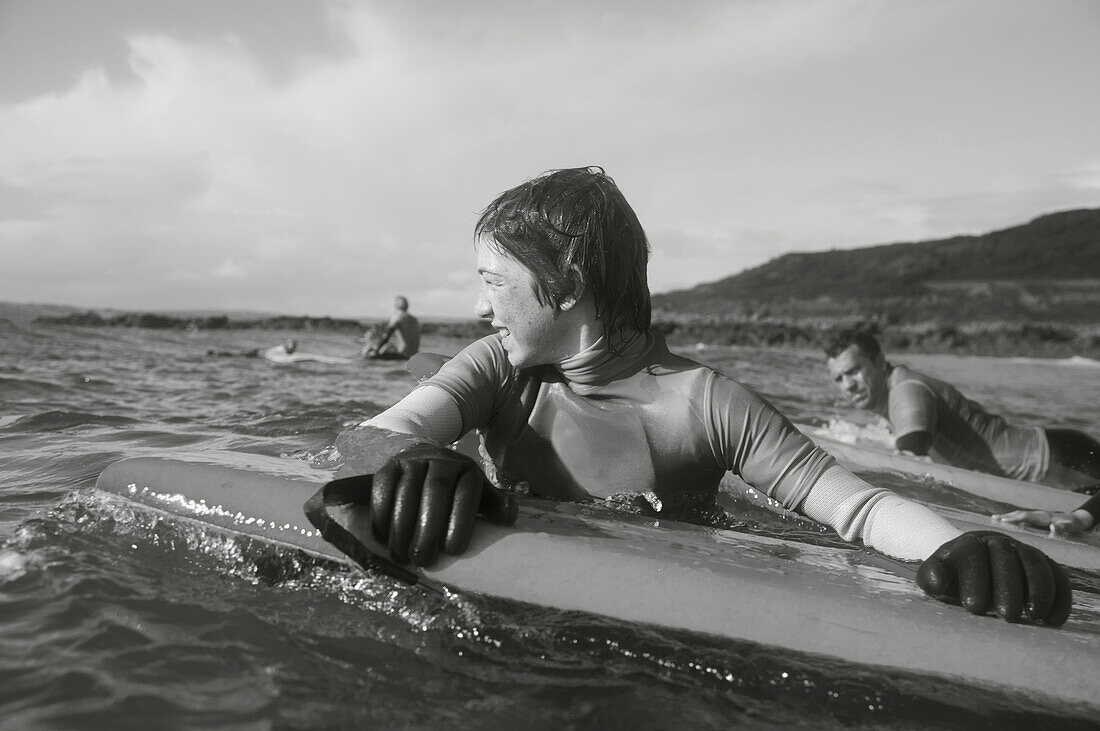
{"points": [[643, 421], [963, 433]]}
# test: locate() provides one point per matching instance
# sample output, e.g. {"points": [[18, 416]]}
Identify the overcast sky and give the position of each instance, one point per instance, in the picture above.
{"points": [[320, 157]]}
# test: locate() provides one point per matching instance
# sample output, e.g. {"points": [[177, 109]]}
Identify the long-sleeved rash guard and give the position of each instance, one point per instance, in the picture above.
{"points": [[646, 420], [963, 433]]}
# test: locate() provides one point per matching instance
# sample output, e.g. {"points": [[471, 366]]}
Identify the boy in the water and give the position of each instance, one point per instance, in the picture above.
{"points": [[575, 396]]}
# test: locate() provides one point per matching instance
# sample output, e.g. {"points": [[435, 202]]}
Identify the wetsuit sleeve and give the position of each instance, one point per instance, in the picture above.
{"points": [[475, 379], [912, 408], [753, 440], [426, 412], [458, 398], [887, 522]]}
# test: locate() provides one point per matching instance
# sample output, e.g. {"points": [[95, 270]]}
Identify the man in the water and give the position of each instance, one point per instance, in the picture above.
{"points": [[930, 417], [281, 352], [403, 328], [575, 397], [275, 353]]}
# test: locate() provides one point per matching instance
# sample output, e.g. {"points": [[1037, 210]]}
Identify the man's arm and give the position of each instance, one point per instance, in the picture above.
{"points": [[918, 443], [387, 333], [1077, 521], [912, 412]]}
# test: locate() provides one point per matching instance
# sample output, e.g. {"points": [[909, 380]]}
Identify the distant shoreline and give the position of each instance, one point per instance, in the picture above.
{"points": [[1046, 340], [1001, 339], [156, 321]]}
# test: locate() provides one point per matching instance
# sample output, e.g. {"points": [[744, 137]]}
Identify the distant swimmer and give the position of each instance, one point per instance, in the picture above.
{"points": [[281, 353], [403, 328], [284, 352], [288, 353], [930, 417]]}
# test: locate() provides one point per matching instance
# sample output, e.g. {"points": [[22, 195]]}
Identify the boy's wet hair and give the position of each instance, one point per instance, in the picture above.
{"points": [[576, 219], [847, 338]]}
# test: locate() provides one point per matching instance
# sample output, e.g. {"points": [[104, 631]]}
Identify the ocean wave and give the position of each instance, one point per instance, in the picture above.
{"points": [[56, 420], [849, 432], [21, 389]]}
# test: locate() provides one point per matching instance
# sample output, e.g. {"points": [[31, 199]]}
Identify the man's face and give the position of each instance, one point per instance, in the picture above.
{"points": [[861, 379], [532, 333]]}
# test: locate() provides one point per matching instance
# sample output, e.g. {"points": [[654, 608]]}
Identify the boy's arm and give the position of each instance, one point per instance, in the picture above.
{"points": [[981, 570], [881, 519], [425, 497], [427, 416]]}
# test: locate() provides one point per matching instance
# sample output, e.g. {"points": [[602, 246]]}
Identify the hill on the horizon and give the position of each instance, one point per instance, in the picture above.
{"points": [[1047, 269]]}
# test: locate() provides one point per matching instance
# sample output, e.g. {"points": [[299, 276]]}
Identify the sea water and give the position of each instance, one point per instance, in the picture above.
{"points": [[111, 617]]}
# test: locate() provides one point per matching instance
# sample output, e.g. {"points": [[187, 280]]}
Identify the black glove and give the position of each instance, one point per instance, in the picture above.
{"points": [[425, 499], [984, 570]]}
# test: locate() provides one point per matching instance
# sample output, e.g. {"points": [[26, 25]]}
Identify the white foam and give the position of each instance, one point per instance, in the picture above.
{"points": [[1076, 361], [12, 565]]}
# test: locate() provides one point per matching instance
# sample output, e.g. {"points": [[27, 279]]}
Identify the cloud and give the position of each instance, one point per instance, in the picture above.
{"points": [[335, 177], [230, 269]]}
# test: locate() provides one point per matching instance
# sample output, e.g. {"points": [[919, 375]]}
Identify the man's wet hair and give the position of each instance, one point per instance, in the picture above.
{"points": [[576, 218], [846, 339]]}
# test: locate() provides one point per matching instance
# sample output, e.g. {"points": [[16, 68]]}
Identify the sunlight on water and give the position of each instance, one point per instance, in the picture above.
{"points": [[12, 565]]}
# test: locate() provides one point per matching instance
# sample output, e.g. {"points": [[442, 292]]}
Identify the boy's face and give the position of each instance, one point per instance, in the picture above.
{"points": [[861, 379], [532, 333]]}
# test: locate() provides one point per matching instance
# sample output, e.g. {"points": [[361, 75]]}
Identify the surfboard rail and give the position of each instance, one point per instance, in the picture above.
{"points": [[862, 458], [826, 601]]}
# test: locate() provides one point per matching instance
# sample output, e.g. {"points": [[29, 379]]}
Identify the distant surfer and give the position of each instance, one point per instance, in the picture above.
{"points": [[576, 397], [277, 353], [399, 339], [281, 353], [930, 417]]}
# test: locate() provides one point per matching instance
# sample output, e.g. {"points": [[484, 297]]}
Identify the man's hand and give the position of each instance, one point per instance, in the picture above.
{"points": [[984, 571], [1067, 524], [424, 500]]}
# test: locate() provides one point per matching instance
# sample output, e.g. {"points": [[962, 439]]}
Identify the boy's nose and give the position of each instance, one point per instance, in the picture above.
{"points": [[482, 308]]}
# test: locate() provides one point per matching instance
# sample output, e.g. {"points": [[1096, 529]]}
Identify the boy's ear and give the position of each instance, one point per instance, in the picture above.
{"points": [[577, 280]]}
